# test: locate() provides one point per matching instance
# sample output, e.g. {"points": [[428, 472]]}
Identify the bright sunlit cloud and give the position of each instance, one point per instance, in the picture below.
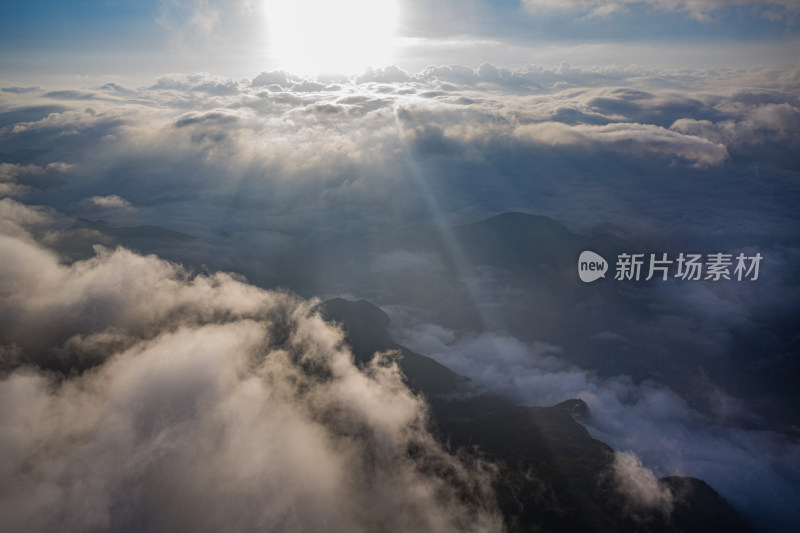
{"points": [[323, 36]]}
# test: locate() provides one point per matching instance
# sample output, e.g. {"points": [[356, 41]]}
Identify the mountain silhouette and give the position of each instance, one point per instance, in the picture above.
{"points": [[552, 475]]}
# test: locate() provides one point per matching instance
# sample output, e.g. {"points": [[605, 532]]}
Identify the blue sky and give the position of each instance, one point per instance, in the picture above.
{"points": [[90, 40]]}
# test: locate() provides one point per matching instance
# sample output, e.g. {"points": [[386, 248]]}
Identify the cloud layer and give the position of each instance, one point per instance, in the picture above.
{"points": [[292, 147], [755, 469], [299, 183], [137, 396], [700, 9]]}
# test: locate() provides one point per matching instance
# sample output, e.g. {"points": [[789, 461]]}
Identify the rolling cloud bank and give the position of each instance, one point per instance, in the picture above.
{"points": [[204, 402]]}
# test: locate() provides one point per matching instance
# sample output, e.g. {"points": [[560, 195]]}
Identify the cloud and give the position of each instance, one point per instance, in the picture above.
{"points": [[23, 215], [761, 129], [112, 201], [20, 90], [21, 220], [639, 139], [248, 150], [192, 402], [700, 9], [276, 77], [640, 485], [658, 431], [17, 180], [390, 74], [326, 186], [280, 154], [211, 118]]}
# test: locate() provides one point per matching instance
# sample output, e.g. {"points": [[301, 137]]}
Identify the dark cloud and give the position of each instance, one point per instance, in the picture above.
{"points": [[28, 113], [20, 90], [211, 118], [70, 95]]}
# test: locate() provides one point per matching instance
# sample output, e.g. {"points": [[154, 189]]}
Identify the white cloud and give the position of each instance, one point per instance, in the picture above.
{"points": [[700, 9], [20, 220], [390, 74], [659, 432], [640, 485], [112, 201], [635, 139], [754, 127], [209, 403]]}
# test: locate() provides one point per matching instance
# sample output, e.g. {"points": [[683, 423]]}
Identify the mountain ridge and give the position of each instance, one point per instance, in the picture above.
{"points": [[553, 475]]}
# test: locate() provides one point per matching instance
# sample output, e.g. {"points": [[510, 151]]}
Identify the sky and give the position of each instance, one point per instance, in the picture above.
{"points": [[135, 42], [261, 155]]}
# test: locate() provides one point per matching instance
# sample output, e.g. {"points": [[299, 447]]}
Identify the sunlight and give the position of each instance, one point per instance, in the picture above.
{"points": [[323, 36]]}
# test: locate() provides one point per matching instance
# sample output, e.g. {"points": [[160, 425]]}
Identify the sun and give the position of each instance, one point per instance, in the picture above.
{"points": [[331, 36]]}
